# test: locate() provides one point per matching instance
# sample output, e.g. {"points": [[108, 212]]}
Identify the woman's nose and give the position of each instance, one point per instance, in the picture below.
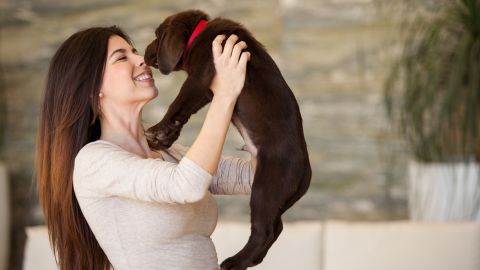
{"points": [[140, 61]]}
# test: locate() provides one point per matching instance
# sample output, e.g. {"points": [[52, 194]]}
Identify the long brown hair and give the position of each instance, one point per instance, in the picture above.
{"points": [[69, 120]]}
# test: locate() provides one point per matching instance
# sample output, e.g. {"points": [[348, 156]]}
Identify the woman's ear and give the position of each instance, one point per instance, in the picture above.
{"points": [[171, 48]]}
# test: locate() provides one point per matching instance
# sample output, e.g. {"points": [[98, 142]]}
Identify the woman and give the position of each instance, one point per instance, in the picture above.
{"points": [[108, 199]]}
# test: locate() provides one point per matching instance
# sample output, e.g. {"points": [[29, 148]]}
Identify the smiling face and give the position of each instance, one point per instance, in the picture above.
{"points": [[127, 80]]}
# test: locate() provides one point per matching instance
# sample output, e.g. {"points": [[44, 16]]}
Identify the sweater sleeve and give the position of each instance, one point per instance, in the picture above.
{"points": [[108, 170], [233, 175]]}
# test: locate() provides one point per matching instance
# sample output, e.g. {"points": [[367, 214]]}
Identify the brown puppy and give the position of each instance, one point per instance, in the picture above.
{"points": [[266, 115]]}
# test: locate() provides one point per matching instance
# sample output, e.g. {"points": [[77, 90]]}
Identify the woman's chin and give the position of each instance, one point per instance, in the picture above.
{"points": [[150, 93], [150, 89]]}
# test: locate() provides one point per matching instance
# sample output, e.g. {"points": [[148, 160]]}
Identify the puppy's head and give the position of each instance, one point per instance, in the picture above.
{"points": [[165, 52]]}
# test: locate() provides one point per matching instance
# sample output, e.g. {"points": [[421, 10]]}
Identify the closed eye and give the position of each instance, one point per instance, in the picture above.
{"points": [[123, 53]]}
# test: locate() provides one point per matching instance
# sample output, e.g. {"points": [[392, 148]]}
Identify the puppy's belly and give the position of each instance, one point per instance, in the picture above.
{"points": [[250, 147]]}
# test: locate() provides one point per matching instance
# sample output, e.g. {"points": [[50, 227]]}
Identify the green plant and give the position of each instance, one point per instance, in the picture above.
{"points": [[433, 91]]}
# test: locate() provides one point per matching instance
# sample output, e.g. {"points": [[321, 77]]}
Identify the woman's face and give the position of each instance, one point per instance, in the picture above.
{"points": [[127, 80]]}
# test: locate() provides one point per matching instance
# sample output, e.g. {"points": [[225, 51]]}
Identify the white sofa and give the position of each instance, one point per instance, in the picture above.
{"points": [[402, 246], [333, 245], [298, 247]]}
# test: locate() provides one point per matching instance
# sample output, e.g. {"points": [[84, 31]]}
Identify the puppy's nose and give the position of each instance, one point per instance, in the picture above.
{"points": [[150, 57]]}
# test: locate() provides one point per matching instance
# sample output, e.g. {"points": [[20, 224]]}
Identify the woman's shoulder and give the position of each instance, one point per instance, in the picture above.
{"points": [[101, 148], [92, 150], [98, 145], [98, 157]]}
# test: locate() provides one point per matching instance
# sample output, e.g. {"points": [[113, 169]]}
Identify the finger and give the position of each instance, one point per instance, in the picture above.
{"points": [[244, 58], [237, 50], [227, 49], [217, 45]]}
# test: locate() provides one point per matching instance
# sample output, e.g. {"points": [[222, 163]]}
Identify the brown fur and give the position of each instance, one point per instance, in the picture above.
{"points": [[266, 108]]}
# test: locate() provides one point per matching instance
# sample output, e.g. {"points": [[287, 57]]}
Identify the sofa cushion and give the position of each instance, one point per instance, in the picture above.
{"points": [[401, 245], [298, 247], [38, 253]]}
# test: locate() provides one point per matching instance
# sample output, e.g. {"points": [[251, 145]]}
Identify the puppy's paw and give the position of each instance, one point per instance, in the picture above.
{"points": [[232, 264], [162, 135]]}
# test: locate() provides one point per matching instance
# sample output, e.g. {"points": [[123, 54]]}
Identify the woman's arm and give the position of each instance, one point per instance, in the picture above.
{"points": [[207, 148], [233, 175], [230, 65], [103, 169]]}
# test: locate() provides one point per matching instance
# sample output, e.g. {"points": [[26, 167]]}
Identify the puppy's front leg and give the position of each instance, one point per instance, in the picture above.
{"points": [[191, 98]]}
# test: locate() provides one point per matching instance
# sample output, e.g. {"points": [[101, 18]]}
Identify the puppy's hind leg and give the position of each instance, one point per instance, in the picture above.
{"points": [[265, 218], [303, 182]]}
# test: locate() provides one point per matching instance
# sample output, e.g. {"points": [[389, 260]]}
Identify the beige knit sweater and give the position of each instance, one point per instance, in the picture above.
{"points": [[153, 213]]}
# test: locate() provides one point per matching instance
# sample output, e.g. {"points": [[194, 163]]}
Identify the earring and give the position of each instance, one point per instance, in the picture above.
{"points": [[100, 95]]}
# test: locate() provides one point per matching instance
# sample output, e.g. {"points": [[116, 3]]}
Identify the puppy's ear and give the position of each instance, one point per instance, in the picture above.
{"points": [[171, 49]]}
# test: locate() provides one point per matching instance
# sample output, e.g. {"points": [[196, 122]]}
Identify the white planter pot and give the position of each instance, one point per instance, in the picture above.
{"points": [[4, 217], [444, 192]]}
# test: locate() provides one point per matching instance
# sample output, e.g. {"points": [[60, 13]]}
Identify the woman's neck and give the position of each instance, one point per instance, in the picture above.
{"points": [[126, 132]]}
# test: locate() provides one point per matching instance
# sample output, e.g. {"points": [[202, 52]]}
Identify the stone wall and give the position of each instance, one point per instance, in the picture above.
{"points": [[333, 53]]}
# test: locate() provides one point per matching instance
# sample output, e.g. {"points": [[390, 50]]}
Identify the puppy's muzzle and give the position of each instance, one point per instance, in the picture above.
{"points": [[151, 55]]}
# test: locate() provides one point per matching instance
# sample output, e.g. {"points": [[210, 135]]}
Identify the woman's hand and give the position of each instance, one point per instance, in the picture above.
{"points": [[230, 65]]}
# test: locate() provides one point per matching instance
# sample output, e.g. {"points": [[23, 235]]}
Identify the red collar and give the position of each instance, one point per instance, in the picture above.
{"points": [[195, 33]]}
